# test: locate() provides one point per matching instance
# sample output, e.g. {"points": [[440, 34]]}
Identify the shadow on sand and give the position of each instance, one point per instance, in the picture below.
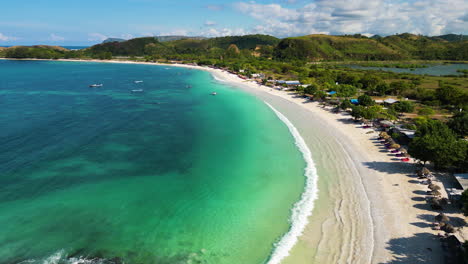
{"points": [[405, 249]]}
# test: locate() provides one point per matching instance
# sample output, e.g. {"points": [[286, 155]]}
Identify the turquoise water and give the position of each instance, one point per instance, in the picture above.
{"points": [[167, 175], [436, 70]]}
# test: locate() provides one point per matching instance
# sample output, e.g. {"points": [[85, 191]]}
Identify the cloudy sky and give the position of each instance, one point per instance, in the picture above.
{"points": [[88, 22]]}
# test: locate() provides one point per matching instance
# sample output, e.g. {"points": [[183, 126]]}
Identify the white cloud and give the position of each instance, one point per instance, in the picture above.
{"points": [[97, 37], [127, 36], [432, 17], [213, 32], [56, 38], [210, 23], [7, 38]]}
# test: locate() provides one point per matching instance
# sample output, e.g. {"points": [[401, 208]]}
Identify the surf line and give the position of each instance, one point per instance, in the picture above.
{"points": [[303, 208]]}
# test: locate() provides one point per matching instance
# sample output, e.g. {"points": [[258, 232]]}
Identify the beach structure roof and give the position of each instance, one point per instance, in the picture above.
{"points": [[331, 93], [390, 101], [354, 101], [386, 123], [378, 101], [462, 179], [407, 132], [289, 82], [293, 82]]}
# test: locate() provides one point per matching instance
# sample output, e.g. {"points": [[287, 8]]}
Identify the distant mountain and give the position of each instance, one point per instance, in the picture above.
{"points": [[109, 40], [452, 37], [180, 45], [172, 38], [132, 47]]}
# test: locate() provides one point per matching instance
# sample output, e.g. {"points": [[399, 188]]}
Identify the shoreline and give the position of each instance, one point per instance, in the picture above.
{"points": [[365, 212]]}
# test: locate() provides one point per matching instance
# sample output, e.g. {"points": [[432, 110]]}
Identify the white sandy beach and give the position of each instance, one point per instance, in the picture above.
{"points": [[370, 208]]}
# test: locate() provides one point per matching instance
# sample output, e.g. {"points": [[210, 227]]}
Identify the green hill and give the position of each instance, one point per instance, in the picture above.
{"points": [[306, 48], [325, 47], [132, 47], [37, 51], [452, 37], [395, 47]]}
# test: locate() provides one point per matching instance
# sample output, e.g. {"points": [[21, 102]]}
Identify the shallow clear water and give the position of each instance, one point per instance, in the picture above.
{"points": [[436, 70], [167, 175]]}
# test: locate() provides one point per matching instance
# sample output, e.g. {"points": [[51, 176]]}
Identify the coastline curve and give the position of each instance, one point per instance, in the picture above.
{"points": [[304, 207]]}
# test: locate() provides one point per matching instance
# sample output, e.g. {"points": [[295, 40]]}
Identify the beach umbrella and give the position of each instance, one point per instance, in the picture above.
{"points": [[442, 218], [403, 150], [444, 201], [395, 146], [425, 171], [435, 204], [383, 134], [436, 193], [434, 187]]}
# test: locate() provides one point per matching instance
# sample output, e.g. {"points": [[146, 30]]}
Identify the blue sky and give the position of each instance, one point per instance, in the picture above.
{"points": [[86, 22]]}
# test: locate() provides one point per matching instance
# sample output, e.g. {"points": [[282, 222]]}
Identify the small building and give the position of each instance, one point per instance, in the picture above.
{"points": [[462, 179], [293, 83], [390, 101], [331, 93], [405, 135], [258, 75], [354, 101]]}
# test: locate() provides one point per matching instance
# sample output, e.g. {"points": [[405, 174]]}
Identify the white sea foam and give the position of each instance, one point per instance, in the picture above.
{"points": [[218, 79], [303, 208]]}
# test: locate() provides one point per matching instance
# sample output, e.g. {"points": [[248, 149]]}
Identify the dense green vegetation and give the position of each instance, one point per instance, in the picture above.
{"points": [[437, 143], [38, 52]]}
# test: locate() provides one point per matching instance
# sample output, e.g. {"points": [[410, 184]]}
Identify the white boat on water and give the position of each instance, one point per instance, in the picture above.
{"points": [[214, 93], [96, 85], [138, 81], [137, 90]]}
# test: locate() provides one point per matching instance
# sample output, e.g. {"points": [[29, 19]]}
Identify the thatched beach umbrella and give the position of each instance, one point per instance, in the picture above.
{"points": [[383, 134], [448, 228], [434, 187], [395, 146], [442, 218], [435, 193], [425, 171], [403, 150]]}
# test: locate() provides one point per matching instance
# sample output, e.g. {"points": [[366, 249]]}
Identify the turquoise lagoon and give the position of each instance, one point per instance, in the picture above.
{"points": [[168, 175]]}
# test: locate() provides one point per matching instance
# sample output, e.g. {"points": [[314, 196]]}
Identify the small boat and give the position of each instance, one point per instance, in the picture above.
{"points": [[214, 93], [137, 90], [96, 85], [138, 81]]}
